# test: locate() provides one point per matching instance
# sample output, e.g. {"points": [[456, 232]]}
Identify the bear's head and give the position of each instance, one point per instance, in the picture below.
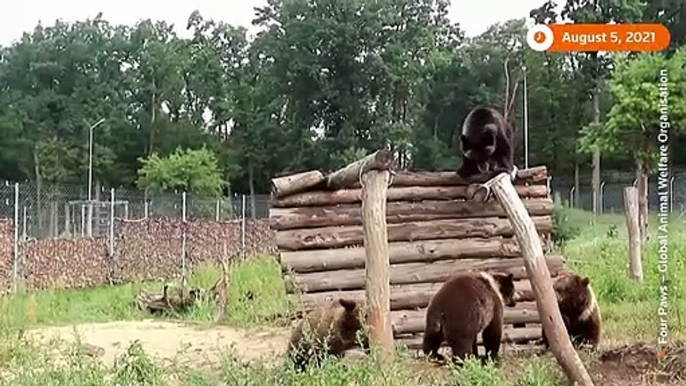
{"points": [[353, 314], [480, 146], [573, 293], [506, 286]]}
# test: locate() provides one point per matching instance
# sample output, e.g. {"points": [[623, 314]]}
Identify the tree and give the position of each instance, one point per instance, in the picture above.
{"points": [[192, 171], [641, 103]]}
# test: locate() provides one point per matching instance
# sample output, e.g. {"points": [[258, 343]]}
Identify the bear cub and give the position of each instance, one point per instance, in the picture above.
{"points": [[487, 144], [579, 309], [330, 330], [465, 306]]}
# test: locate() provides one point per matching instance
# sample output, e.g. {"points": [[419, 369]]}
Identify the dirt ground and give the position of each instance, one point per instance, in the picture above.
{"points": [[170, 341], [629, 365]]}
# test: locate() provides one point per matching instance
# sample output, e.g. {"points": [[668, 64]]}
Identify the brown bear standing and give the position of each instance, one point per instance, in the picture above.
{"points": [[465, 306], [579, 309], [330, 330]]}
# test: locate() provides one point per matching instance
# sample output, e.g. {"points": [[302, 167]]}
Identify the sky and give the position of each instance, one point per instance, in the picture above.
{"points": [[18, 16]]}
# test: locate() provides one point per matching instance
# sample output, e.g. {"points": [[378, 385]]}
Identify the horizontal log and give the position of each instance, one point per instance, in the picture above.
{"points": [[409, 193], [535, 175], [336, 237], [350, 174], [284, 186], [403, 297], [398, 212], [412, 273], [510, 335], [399, 253], [413, 321]]}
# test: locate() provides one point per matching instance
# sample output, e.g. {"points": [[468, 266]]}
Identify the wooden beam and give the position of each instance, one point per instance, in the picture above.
{"points": [[411, 273], [337, 237], [349, 175], [374, 186], [532, 176], [401, 252], [631, 210], [397, 212], [406, 193], [539, 275], [284, 186], [510, 335], [403, 296]]}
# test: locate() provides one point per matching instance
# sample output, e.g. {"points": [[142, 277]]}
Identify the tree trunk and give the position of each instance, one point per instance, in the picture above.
{"points": [[596, 154], [251, 187], [153, 109], [39, 188]]}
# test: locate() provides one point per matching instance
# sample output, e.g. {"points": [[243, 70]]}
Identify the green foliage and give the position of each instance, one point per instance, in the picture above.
{"points": [[563, 228], [638, 115], [193, 171]]}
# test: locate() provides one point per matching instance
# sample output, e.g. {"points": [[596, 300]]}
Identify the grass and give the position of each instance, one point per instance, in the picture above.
{"points": [[629, 312]]}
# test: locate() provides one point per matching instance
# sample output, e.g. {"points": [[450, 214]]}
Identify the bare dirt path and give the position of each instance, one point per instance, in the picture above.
{"points": [[172, 341]]}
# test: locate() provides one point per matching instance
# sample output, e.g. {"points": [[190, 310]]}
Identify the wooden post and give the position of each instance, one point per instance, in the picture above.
{"points": [[633, 225], [283, 186], [223, 288], [539, 275], [349, 175], [377, 286]]}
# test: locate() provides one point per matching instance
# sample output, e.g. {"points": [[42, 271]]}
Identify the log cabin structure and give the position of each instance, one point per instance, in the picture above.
{"points": [[434, 230]]}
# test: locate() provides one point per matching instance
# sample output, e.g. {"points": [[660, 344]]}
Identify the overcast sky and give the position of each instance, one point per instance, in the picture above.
{"points": [[18, 16]]}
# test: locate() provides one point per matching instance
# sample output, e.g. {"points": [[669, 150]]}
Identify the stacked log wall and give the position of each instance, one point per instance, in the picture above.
{"points": [[434, 231]]}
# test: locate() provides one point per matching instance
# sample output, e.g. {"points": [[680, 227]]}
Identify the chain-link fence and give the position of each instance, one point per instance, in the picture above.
{"points": [[611, 194], [61, 211]]}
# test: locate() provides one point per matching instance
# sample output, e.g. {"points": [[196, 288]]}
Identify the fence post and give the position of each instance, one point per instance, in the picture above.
{"points": [[216, 211], [183, 240], [15, 265], [571, 196], [602, 197], [147, 209], [633, 227], [243, 227], [671, 194], [112, 223]]}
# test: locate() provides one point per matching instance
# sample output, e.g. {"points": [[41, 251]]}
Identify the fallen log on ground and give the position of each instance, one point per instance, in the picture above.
{"points": [[413, 273], [176, 300], [408, 193], [397, 212], [336, 237]]}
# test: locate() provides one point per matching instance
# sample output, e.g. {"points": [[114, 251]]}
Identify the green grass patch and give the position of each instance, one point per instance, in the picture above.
{"points": [[260, 277]]}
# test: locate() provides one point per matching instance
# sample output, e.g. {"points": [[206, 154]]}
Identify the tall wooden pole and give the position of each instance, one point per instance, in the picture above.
{"points": [[539, 275], [631, 206], [377, 286]]}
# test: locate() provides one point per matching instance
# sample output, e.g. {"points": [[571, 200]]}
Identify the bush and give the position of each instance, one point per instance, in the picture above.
{"points": [[563, 229]]}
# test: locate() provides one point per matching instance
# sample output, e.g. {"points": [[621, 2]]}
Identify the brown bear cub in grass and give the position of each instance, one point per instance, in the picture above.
{"points": [[331, 330], [579, 310], [465, 306]]}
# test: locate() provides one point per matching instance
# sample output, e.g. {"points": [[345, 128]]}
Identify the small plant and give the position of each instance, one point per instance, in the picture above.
{"points": [[563, 229]]}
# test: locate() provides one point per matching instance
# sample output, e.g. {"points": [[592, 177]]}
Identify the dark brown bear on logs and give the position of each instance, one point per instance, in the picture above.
{"points": [[330, 330], [464, 307], [487, 144], [579, 309]]}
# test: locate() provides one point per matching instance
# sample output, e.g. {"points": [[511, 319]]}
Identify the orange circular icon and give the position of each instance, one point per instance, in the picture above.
{"points": [[539, 37]]}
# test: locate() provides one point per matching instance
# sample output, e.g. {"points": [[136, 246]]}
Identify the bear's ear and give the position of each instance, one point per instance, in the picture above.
{"points": [[510, 277], [585, 281], [348, 304]]}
